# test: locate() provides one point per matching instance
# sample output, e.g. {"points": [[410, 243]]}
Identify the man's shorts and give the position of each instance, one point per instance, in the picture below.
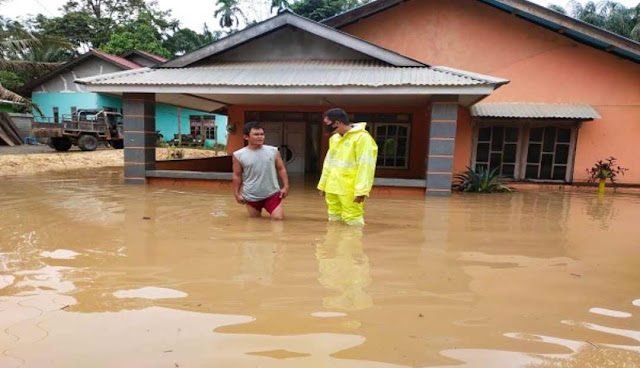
{"points": [[270, 204]]}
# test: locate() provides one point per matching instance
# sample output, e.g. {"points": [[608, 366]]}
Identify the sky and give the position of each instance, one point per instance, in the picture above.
{"points": [[191, 13]]}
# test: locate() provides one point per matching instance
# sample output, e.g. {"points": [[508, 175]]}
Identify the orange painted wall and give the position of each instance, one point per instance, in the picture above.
{"points": [[543, 66], [462, 154], [419, 132]]}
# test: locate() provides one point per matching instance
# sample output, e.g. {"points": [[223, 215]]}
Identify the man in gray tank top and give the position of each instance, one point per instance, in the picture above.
{"points": [[256, 170]]}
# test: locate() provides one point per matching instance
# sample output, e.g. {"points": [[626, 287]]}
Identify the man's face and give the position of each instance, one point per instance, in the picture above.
{"points": [[329, 125], [255, 137]]}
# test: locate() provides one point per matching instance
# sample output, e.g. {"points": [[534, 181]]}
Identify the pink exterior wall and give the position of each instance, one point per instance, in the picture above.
{"points": [[543, 66]]}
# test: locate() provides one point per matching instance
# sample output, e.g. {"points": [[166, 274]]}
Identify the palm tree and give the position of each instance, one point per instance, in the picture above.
{"points": [[14, 39], [228, 11], [609, 15], [20, 43], [8, 95], [279, 5]]}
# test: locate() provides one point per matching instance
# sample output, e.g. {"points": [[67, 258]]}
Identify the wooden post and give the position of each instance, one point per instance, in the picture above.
{"points": [[179, 126]]}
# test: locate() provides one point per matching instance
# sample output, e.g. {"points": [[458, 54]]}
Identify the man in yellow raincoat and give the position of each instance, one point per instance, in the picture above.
{"points": [[349, 168]]}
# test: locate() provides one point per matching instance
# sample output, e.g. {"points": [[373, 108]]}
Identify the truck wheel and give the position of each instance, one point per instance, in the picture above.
{"points": [[59, 144], [117, 144], [88, 143]]}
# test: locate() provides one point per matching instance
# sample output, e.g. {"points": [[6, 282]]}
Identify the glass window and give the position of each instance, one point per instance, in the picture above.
{"points": [[393, 144], [392, 133], [209, 131], [498, 148], [203, 126], [196, 129], [548, 153]]}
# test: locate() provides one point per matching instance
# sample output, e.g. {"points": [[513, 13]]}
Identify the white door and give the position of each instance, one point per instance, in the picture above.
{"points": [[295, 143], [290, 140]]}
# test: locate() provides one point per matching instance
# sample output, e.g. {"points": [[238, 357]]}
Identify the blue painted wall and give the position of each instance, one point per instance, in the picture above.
{"points": [[166, 115], [63, 101]]}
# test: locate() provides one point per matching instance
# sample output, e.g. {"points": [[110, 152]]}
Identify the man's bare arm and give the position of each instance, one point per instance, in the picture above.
{"points": [[282, 175], [237, 181]]}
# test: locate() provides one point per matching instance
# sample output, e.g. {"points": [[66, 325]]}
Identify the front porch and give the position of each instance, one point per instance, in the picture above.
{"points": [[416, 144]]}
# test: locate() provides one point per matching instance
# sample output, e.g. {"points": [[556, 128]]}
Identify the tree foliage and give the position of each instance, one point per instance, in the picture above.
{"points": [[140, 34], [19, 42], [321, 9], [229, 13], [279, 5], [609, 15], [91, 23], [10, 80], [557, 8], [184, 40]]}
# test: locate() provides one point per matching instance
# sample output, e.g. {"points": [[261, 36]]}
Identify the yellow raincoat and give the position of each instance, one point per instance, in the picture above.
{"points": [[348, 172]]}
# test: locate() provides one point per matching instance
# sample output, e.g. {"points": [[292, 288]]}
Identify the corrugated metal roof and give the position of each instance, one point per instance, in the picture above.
{"points": [[534, 110], [296, 73]]}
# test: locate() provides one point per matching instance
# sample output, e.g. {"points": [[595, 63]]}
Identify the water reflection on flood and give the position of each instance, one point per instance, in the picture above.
{"points": [[94, 271]]}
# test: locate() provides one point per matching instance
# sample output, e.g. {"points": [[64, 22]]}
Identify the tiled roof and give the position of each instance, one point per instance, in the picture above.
{"points": [[116, 59], [155, 57]]}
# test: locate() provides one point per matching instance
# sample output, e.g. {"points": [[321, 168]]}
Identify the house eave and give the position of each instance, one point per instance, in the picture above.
{"points": [[312, 90]]}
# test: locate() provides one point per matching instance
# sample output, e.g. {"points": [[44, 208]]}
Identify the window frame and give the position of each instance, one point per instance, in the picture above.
{"points": [[407, 153], [374, 120], [525, 126], [210, 129], [203, 123]]}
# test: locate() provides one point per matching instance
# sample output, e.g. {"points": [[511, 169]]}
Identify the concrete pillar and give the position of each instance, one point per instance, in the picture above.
{"points": [[139, 113], [442, 135]]}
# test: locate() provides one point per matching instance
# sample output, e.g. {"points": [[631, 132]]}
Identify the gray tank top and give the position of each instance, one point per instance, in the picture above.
{"points": [[259, 174]]}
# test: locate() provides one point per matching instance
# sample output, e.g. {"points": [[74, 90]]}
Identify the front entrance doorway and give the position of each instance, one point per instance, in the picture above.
{"points": [[290, 138]]}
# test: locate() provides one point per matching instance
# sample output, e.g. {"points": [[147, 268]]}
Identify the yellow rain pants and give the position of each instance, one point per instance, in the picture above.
{"points": [[342, 208]]}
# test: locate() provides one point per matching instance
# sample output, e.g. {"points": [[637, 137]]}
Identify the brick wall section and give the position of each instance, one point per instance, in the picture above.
{"points": [[139, 136], [442, 135]]}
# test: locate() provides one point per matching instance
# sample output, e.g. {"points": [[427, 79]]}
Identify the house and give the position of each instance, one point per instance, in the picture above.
{"points": [[562, 73], [442, 84], [57, 95]]}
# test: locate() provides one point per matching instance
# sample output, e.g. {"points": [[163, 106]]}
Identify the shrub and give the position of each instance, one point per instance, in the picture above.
{"points": [[175, 153], [480, 180], [605, 169]]}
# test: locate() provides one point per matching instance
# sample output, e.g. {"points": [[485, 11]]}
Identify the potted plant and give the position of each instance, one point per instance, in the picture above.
{"points": [[603, 170]]}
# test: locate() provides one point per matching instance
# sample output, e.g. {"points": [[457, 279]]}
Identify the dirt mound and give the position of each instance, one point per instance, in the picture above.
{"points": [[25, 164]]}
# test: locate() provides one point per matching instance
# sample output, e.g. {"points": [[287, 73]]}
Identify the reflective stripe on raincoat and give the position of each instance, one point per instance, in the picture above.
{"points": [[350, 164]]}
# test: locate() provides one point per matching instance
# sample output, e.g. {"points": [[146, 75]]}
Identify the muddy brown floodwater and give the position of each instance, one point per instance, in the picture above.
{"points": [[97, 274]]}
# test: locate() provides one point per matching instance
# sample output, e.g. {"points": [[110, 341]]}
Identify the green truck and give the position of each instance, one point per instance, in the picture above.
{"points": [[84, 128]]}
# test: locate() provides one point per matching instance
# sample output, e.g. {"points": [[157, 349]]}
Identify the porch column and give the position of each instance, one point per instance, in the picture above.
{"points": [[442, 135], [139, 113]]}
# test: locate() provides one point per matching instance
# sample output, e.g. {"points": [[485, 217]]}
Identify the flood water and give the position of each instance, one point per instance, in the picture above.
{"points": [[97, 274]]}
